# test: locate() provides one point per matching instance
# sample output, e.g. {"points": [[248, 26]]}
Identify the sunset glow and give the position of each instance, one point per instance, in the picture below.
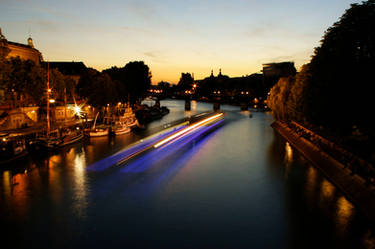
{"points": [[173, 36]]}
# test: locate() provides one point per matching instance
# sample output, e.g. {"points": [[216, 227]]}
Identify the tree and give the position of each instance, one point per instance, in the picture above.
{"points": [[279, 97], [23, 81], [333, 89], [340, 71], [98, 88], [133, 80], [298, 96]]}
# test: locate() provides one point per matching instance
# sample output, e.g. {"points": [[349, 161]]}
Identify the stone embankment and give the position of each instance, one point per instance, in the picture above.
{"points": [[339, 166]]}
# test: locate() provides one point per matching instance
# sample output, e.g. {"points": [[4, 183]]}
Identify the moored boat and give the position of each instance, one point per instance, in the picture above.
{"points": [[97, 132], [71, 136], [12, 147], [120, 128]]}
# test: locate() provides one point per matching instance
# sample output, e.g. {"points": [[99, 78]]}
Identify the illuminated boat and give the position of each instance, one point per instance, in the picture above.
{"points": [[120, 128], [97, 131], [47, 141], [58, 138], [71, 136]]}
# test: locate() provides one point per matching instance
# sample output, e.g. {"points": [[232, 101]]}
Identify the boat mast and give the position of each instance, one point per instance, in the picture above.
{"points": [[48, 91], [95, 121], [65, 103]]}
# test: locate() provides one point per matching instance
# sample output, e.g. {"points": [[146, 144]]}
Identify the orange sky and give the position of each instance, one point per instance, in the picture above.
{"points": [[173, 36]]}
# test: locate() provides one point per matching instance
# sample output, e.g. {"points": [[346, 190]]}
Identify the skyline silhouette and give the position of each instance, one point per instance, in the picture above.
{"points": [[173, 37]]}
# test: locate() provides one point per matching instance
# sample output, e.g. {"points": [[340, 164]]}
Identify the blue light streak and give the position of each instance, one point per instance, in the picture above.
{"points": [[129, 151], [146, 161]]}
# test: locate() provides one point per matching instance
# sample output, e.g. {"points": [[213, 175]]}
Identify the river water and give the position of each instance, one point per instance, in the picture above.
{"points": [[240, 186]]}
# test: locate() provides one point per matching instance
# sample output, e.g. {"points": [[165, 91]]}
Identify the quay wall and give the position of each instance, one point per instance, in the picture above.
{"points": [[354, 187]]}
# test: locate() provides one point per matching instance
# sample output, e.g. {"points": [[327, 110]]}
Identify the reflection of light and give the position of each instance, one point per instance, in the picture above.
{"points": [[6, 183], [55, 159], [310, 186], [327, 189], [187, 129], [80, 191], [193, 105], [288, 153], [311, 177], [344, 212], [288, 158]]}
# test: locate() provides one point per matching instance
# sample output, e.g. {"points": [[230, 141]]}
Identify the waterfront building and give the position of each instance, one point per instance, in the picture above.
{"points": [[24, 51], [19, 117]]}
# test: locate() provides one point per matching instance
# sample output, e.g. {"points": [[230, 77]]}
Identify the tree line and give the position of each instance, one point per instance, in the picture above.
{"points": [[334, 90], [23, 82], [126, 84]]}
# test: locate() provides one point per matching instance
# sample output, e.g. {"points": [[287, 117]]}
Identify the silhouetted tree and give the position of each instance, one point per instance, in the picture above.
{"points": [[334, 88], [133, 80], [98, 88], [341, 69]]}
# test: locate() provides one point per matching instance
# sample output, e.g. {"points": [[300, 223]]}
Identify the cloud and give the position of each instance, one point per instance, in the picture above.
{"points": [[150, 54]]}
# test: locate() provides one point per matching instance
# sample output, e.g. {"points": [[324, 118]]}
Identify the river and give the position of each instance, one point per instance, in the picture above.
{"points": [[240, 186]]}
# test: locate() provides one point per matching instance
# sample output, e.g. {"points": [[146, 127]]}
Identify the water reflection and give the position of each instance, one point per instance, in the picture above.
{"points": [[55, 184], [242, 184], [344, 214], [327, 190], [310, 186], [7, 184], [288, 158], [80, 202], [18, 198]]}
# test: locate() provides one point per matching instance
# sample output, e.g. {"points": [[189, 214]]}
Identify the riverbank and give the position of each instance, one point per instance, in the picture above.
{"points": [[359, 191]]}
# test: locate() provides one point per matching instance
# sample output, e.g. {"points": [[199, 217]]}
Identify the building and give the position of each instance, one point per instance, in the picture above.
{"points": [[24, 51]]}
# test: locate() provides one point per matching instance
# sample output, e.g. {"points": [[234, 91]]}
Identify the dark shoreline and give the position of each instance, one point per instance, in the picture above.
{"points": [[353, 186]]}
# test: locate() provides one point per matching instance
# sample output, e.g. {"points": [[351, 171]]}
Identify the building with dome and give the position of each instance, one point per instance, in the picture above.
{"points": [[24, 51]]}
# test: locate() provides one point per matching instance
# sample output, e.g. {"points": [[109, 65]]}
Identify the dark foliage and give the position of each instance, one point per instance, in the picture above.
{"points": [[98, 88], [342, 71], [133, 80]]}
